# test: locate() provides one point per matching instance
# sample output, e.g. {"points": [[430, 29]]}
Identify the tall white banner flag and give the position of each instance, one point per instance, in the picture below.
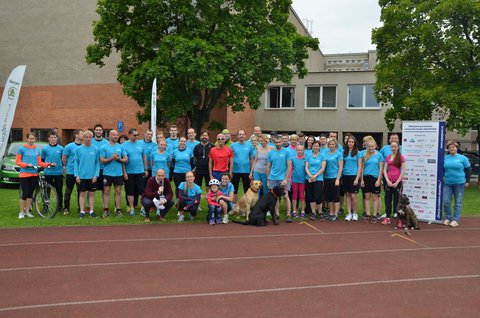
{"points": [[8, 105], [153, 111]]}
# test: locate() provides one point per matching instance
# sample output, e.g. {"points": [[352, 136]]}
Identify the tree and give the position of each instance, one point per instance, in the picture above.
{"points": [[204, 53], [428, 61]]}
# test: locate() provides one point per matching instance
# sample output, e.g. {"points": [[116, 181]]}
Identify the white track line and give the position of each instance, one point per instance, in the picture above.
{"points": [[238, 258], [236, 237], [241, 292]]}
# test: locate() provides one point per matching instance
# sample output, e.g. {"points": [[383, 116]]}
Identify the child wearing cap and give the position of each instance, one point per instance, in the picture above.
{"points": [[214, 208]]}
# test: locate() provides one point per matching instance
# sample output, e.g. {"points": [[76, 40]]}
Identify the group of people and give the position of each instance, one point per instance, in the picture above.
{"points": [[319, 175]]}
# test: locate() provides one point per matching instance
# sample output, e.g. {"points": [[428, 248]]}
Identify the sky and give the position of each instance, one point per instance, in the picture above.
{"points": [[342, 26]]}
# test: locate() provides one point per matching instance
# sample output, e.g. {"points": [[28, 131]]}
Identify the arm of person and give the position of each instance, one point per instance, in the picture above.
{"points": [[339, 173], [402, 173], [145, 165], [322, 170], [385, 174], [379, 178], [254, 162], [64, 160], [230, 167], [210, 167], [269, 165], [195, 203]]}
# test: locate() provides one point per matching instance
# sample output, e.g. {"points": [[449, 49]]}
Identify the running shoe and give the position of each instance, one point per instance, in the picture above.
{"points": [[302, 215], [349, 217], [373, 220], [118, 212], [225, 219], [211, 222], [66, 212], [27, 213], [295, 214], [355, 216], [105, 214], [446, 222], [181, 218], [21, 215], [386, 221], [289, 219], [82, 215], [454, 223], [131, 213], [333, 218], [142, 212], [313, 217], [341, 211], [93, 215], [219, 221], [366, 218]]}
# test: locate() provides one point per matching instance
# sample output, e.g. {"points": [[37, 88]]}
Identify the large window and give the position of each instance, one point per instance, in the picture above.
{"points": [[281, 97], [361, 96], [321, 97]]}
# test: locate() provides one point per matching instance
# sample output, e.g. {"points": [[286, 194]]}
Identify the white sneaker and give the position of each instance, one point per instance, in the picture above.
{"points": [[355, 217], [454, 223], [349, 217], [181, 218], [27, 213], [225, 219], [21, 215], [446, 222]]}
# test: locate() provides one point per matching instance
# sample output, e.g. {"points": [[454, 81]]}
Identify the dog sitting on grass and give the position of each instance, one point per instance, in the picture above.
{"points": [[248, 200], [258, 214], [406, 215]]}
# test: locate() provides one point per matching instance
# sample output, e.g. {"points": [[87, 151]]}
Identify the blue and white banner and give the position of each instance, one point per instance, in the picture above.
{"points": [[153, 111], [8, 105], [423, 147]]}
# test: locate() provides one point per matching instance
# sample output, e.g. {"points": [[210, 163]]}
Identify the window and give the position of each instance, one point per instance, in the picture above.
{"points": [[361, 96], [321, 97], [16, 134], [281, 97], [41, 134]]}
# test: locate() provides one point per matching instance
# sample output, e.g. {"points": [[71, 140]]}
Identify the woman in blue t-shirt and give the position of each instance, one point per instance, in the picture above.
{"points": [[372, 167], [188, 195], [314, 167], [351, 177], [333, 173], [457, 172], [182, 161]]}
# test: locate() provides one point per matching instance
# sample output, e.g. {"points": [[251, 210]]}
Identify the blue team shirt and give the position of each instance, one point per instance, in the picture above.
{"points": [[192, 193], [314, 165], [135, 154], [148, 148], [350, 165], [333, 164], [191, 144], [278, 160], [99, 144], [182, 160], [87, 162], [172, 144], [161, 161], [114, 167], [53, 154], [454, 169], [298, 169], [69, 152], [29, 155], [229, 188], [371, 167], [242, 154]]}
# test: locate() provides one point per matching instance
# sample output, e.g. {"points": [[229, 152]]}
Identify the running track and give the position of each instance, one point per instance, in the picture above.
{"points": [[314, 269]]}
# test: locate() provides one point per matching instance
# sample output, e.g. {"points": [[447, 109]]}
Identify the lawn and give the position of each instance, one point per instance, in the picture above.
{"points": [[9, 207]]}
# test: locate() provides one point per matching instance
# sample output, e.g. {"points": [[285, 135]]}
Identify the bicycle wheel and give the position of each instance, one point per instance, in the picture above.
{"points": [[46, 201]]}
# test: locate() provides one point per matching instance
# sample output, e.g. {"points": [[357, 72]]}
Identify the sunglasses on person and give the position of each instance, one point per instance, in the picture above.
{"points": [[220, 138]]}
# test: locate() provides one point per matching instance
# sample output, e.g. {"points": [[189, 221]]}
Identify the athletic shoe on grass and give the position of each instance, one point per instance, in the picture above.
{"points": [[181, 218], [142, 212], [27, 213], [118, 212], [82, 215], [354, 216], [66, 212], [225, 219], [21, 215], [93, 215], [131, 213], [349, 217]]}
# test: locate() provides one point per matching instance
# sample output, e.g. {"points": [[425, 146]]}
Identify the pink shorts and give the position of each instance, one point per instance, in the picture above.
{"points": [[298, 191]]}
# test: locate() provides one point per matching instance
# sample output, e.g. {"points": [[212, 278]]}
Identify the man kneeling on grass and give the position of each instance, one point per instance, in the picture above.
{"points": [[158, 195]]}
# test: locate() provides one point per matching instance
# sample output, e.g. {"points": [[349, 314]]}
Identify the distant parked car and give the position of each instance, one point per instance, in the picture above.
{"points": [[9, 171], [474, 161]]}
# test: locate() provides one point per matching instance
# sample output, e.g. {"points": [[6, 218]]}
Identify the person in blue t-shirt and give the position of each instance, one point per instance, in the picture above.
{"points": [[372, 168], [53, 152], [315, 165], [172, 144], [279, 170], [87, 170], [161, 158], [226, 200], [149, 146], [188, 194], [242, 161], [191, 141], [135, 171], [113, 156], [98, 141], [332, 175], [68, 160], [351, 177], [182, 160], [457, 172]]}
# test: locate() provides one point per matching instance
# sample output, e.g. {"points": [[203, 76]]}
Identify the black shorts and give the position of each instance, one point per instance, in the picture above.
{"points": [[107, 181], [347, 185], [87, 185], [331, 191], [135, 184], [28, 186], [369, 185]]}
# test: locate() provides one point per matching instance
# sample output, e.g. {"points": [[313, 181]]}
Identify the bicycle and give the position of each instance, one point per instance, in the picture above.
{"points": [[45, 197]]}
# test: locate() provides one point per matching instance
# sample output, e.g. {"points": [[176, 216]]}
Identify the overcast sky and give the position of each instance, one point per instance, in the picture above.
{"points": [[341, 25]]}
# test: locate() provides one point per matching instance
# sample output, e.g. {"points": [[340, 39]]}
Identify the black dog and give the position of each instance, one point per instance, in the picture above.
{"points": [[258, 214], [407, 215]]}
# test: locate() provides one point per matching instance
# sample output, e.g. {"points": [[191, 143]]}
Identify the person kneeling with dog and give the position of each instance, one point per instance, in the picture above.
{"points": [[158, 195]]}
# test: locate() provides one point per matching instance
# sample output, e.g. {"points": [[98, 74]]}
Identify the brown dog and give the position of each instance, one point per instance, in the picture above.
{"points": [[248, 200], [407, 215]]}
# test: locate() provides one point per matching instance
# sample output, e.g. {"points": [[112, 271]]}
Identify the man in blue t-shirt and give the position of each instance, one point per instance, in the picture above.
{"points": [[242, 161], [112, 156], [279, 169], [68, 160], [148, 146], [54, 174], [98, 141], [136, 170]]}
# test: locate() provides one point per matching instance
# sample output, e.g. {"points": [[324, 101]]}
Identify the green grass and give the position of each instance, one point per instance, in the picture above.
{"points": [[9, 207]]}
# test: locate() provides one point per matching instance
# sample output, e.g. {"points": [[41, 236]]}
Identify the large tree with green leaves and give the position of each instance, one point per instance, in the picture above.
{"points": [[429, 61], [204, 53]]}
